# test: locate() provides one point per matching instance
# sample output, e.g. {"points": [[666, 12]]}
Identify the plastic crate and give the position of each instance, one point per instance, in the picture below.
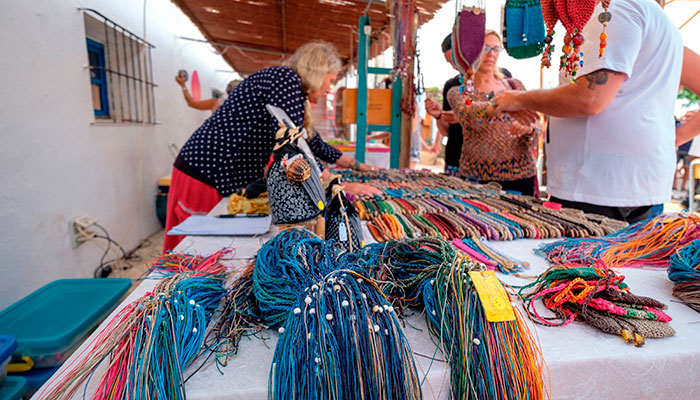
{"points": [[8, 344], [36, 377], [13, 388], [50, 323]]}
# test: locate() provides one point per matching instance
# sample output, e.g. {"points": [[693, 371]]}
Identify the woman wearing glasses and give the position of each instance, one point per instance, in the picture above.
{"points": [[495, 148]]}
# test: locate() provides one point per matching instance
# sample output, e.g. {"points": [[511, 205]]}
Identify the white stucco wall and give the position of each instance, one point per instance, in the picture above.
{"points": [[56, 163]]}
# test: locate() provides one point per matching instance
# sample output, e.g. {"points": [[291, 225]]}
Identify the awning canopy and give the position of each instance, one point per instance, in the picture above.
{"points": [[253, 34]]}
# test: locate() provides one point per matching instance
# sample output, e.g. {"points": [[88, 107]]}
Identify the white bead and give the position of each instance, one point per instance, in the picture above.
{"points": [[314, 287], [434, 312], [386, 332], [281, 330], [297, 310], [364, 296], [312, 311], [182, 317], [476, 341], [359, 280], [317, 360], [381, 310], [376, 328], [391, 308], [331, 280], [336, 288], [194, 330], [329, 317], [192, 302], [308, 336], [345, 303], [385, 307], [307, 300], [375, 309]]}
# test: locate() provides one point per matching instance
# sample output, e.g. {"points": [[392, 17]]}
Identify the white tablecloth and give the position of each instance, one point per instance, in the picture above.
{"points": [[583, 362]]}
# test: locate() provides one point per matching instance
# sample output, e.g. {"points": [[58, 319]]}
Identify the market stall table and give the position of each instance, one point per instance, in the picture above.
{"points": [[583, 362]]}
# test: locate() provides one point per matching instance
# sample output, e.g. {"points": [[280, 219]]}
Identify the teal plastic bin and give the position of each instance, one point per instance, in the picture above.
{"points": [[36, 377], [8, 344], [13, 388], [50, 323]]}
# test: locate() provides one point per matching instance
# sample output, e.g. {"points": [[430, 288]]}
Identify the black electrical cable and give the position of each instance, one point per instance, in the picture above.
{"points": [[105, 267]]}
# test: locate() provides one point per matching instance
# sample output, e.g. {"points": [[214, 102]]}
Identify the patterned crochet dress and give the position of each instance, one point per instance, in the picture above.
{"points": [[489, 151]]}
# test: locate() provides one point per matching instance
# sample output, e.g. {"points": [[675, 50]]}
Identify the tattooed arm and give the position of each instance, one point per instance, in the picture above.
{"points": [[588, 95], [690, 80]]}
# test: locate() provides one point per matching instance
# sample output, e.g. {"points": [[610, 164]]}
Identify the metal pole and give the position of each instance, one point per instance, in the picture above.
{"points": [[362, 56]]}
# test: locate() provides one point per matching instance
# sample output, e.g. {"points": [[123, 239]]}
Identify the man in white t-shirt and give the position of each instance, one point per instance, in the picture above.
{"points": [[611, 142]]}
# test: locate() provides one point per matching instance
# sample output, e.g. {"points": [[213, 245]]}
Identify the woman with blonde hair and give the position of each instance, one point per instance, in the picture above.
{"points": [[230, 150], [495, 148]]}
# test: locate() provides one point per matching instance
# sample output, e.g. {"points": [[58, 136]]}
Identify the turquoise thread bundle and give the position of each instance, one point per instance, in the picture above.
{"points": [[290, 262], [498, 360], [342, 340], [401, 267], [684, 271], [172, 336], [488, 360], [323, 306]]}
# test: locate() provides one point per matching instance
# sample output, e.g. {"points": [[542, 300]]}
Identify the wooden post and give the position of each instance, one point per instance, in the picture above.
{"points": [[408, 100]]}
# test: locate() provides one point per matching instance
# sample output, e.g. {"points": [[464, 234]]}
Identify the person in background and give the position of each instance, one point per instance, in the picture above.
{"points": [[207, 104], [230, 150], [495, 148], [612, 140], [417, 142], [446, 123]]}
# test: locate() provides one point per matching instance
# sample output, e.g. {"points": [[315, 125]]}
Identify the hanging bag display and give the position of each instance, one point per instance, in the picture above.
{"points": [[468, 36], [294, 188], [342, 220], [523, 28]]}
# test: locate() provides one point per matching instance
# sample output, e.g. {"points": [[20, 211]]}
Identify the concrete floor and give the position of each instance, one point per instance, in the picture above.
{"points": [[152, 248]]}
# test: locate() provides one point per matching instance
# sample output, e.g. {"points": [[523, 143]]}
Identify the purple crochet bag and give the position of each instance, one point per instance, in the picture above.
{"points": [[468, 37]]}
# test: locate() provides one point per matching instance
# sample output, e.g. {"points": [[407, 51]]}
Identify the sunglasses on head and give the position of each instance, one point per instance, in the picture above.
{"points": [[496, 49]]}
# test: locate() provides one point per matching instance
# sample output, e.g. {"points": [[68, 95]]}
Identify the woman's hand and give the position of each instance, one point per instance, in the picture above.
{"points": [[517, 129], [449, 117], [509, 102], [432, 107], [180, 81], [365, 168], [360, 189]]}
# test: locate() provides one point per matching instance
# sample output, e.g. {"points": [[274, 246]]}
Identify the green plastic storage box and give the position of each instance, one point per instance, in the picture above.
{"points": [[50, 323], [13, 388]]}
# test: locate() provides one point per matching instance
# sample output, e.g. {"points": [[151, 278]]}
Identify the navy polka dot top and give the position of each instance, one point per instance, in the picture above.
{"points": [[232, 147]]}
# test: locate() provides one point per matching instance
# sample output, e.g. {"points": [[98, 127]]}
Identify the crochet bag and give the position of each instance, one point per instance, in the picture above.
{"points": [[468, 36], [294, 188], [523, 28], [342, 220]]}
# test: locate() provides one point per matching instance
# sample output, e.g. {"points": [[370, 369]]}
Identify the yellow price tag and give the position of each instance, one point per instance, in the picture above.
{"points": [[493, 296]]}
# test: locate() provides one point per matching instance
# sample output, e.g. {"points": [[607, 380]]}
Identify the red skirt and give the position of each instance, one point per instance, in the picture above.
{"points": [[187, 196]]}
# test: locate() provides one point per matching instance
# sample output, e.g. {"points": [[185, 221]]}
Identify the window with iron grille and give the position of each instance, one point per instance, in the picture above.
{"points": [[121, 72]]}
